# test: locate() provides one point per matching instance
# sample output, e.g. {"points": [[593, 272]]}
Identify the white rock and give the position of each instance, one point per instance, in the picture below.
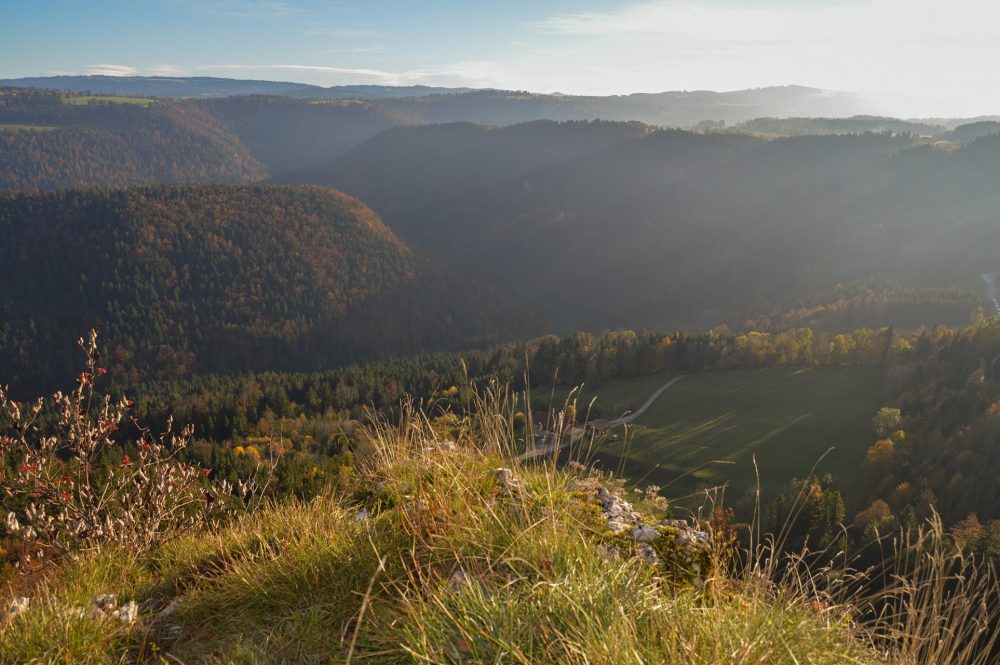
{"points": [[361, 515], [129, 612], [643, 533], [617, 525], [690, 539]]}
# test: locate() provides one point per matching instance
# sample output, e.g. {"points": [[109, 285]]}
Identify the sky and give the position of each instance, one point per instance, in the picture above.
{"points": [[910, 57]]}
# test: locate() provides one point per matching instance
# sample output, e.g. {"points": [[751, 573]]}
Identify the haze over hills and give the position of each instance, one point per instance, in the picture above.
{"points": [[54, 139], [575, 224], [390, 172], [493, 107], [670, 228]]}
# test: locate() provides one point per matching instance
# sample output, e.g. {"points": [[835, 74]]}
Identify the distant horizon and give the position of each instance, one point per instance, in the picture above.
{"points": [[277, 81], [375, 84], [905, 58]]}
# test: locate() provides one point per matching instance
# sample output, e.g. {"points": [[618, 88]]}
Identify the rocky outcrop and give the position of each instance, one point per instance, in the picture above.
{"points": [[679, 550]]}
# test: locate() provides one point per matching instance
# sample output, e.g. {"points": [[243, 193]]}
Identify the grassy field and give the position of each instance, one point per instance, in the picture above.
{"points": [[788, 417], [28, 128], [82, 100]]}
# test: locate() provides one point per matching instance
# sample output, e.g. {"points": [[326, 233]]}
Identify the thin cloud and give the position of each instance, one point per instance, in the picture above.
{"points": [[111, 70], [305, 68], [457, 74], [130, 70], [164, 70]]}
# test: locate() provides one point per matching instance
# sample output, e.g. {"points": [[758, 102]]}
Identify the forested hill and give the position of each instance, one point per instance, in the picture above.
{"points": [[51, 140], [389, 171], [218, 278], [676, 229], [288, 134]]}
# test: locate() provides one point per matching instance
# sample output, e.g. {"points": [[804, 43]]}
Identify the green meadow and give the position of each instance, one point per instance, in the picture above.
{"points": [[82, 100], [706, 429]]}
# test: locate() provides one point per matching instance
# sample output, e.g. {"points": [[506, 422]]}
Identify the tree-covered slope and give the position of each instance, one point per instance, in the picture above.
{"points": [[408, 167], [681, 229], [48, 141], [51, 140], [218, 278], [286, 134]]}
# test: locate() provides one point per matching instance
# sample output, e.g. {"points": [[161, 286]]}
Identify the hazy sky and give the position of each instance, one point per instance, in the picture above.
{"points": [[917, 57]]}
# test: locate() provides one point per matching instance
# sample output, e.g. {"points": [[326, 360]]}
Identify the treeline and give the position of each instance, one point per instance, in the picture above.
{"points": [[849, 307], [312, 417], [54, 140], [824, 126], [938, 454], [389, 171], [229, 407]]}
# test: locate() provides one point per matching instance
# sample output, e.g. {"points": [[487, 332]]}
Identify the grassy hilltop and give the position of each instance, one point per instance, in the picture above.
{"points": [[441, 548]]}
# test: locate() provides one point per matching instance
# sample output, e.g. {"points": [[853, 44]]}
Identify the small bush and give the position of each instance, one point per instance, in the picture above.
{"points": [[71, 485]]}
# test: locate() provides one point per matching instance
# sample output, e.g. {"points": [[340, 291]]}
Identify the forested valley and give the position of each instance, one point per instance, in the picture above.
{"points": [[281, 278]]}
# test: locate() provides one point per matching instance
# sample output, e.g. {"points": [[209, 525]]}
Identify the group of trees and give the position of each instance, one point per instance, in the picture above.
{"points": [[943, 450]]}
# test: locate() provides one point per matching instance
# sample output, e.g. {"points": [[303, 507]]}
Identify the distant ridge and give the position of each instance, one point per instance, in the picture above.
{"points": [[677, 108], [210, 86]]}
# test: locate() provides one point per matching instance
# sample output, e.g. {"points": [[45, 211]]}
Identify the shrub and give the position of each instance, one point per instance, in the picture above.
{"points": [[71, 485]]}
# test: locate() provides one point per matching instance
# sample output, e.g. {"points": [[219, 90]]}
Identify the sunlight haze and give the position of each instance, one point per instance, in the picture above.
{"points": [[906, 58]]}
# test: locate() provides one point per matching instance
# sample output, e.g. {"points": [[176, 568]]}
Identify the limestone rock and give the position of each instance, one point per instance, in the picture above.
{"points": [[643, 533], [647, 552], [129, 612]]}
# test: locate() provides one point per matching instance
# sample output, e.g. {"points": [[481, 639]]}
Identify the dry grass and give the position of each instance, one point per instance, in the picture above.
{"points": [[450, 564]]}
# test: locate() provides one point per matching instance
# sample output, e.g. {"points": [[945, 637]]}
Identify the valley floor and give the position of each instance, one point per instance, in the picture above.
{"points": [[708, 428]]}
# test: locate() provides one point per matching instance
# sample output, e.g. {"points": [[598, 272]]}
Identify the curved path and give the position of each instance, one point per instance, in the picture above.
{"points": [[625, 420], [577, 433]]}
